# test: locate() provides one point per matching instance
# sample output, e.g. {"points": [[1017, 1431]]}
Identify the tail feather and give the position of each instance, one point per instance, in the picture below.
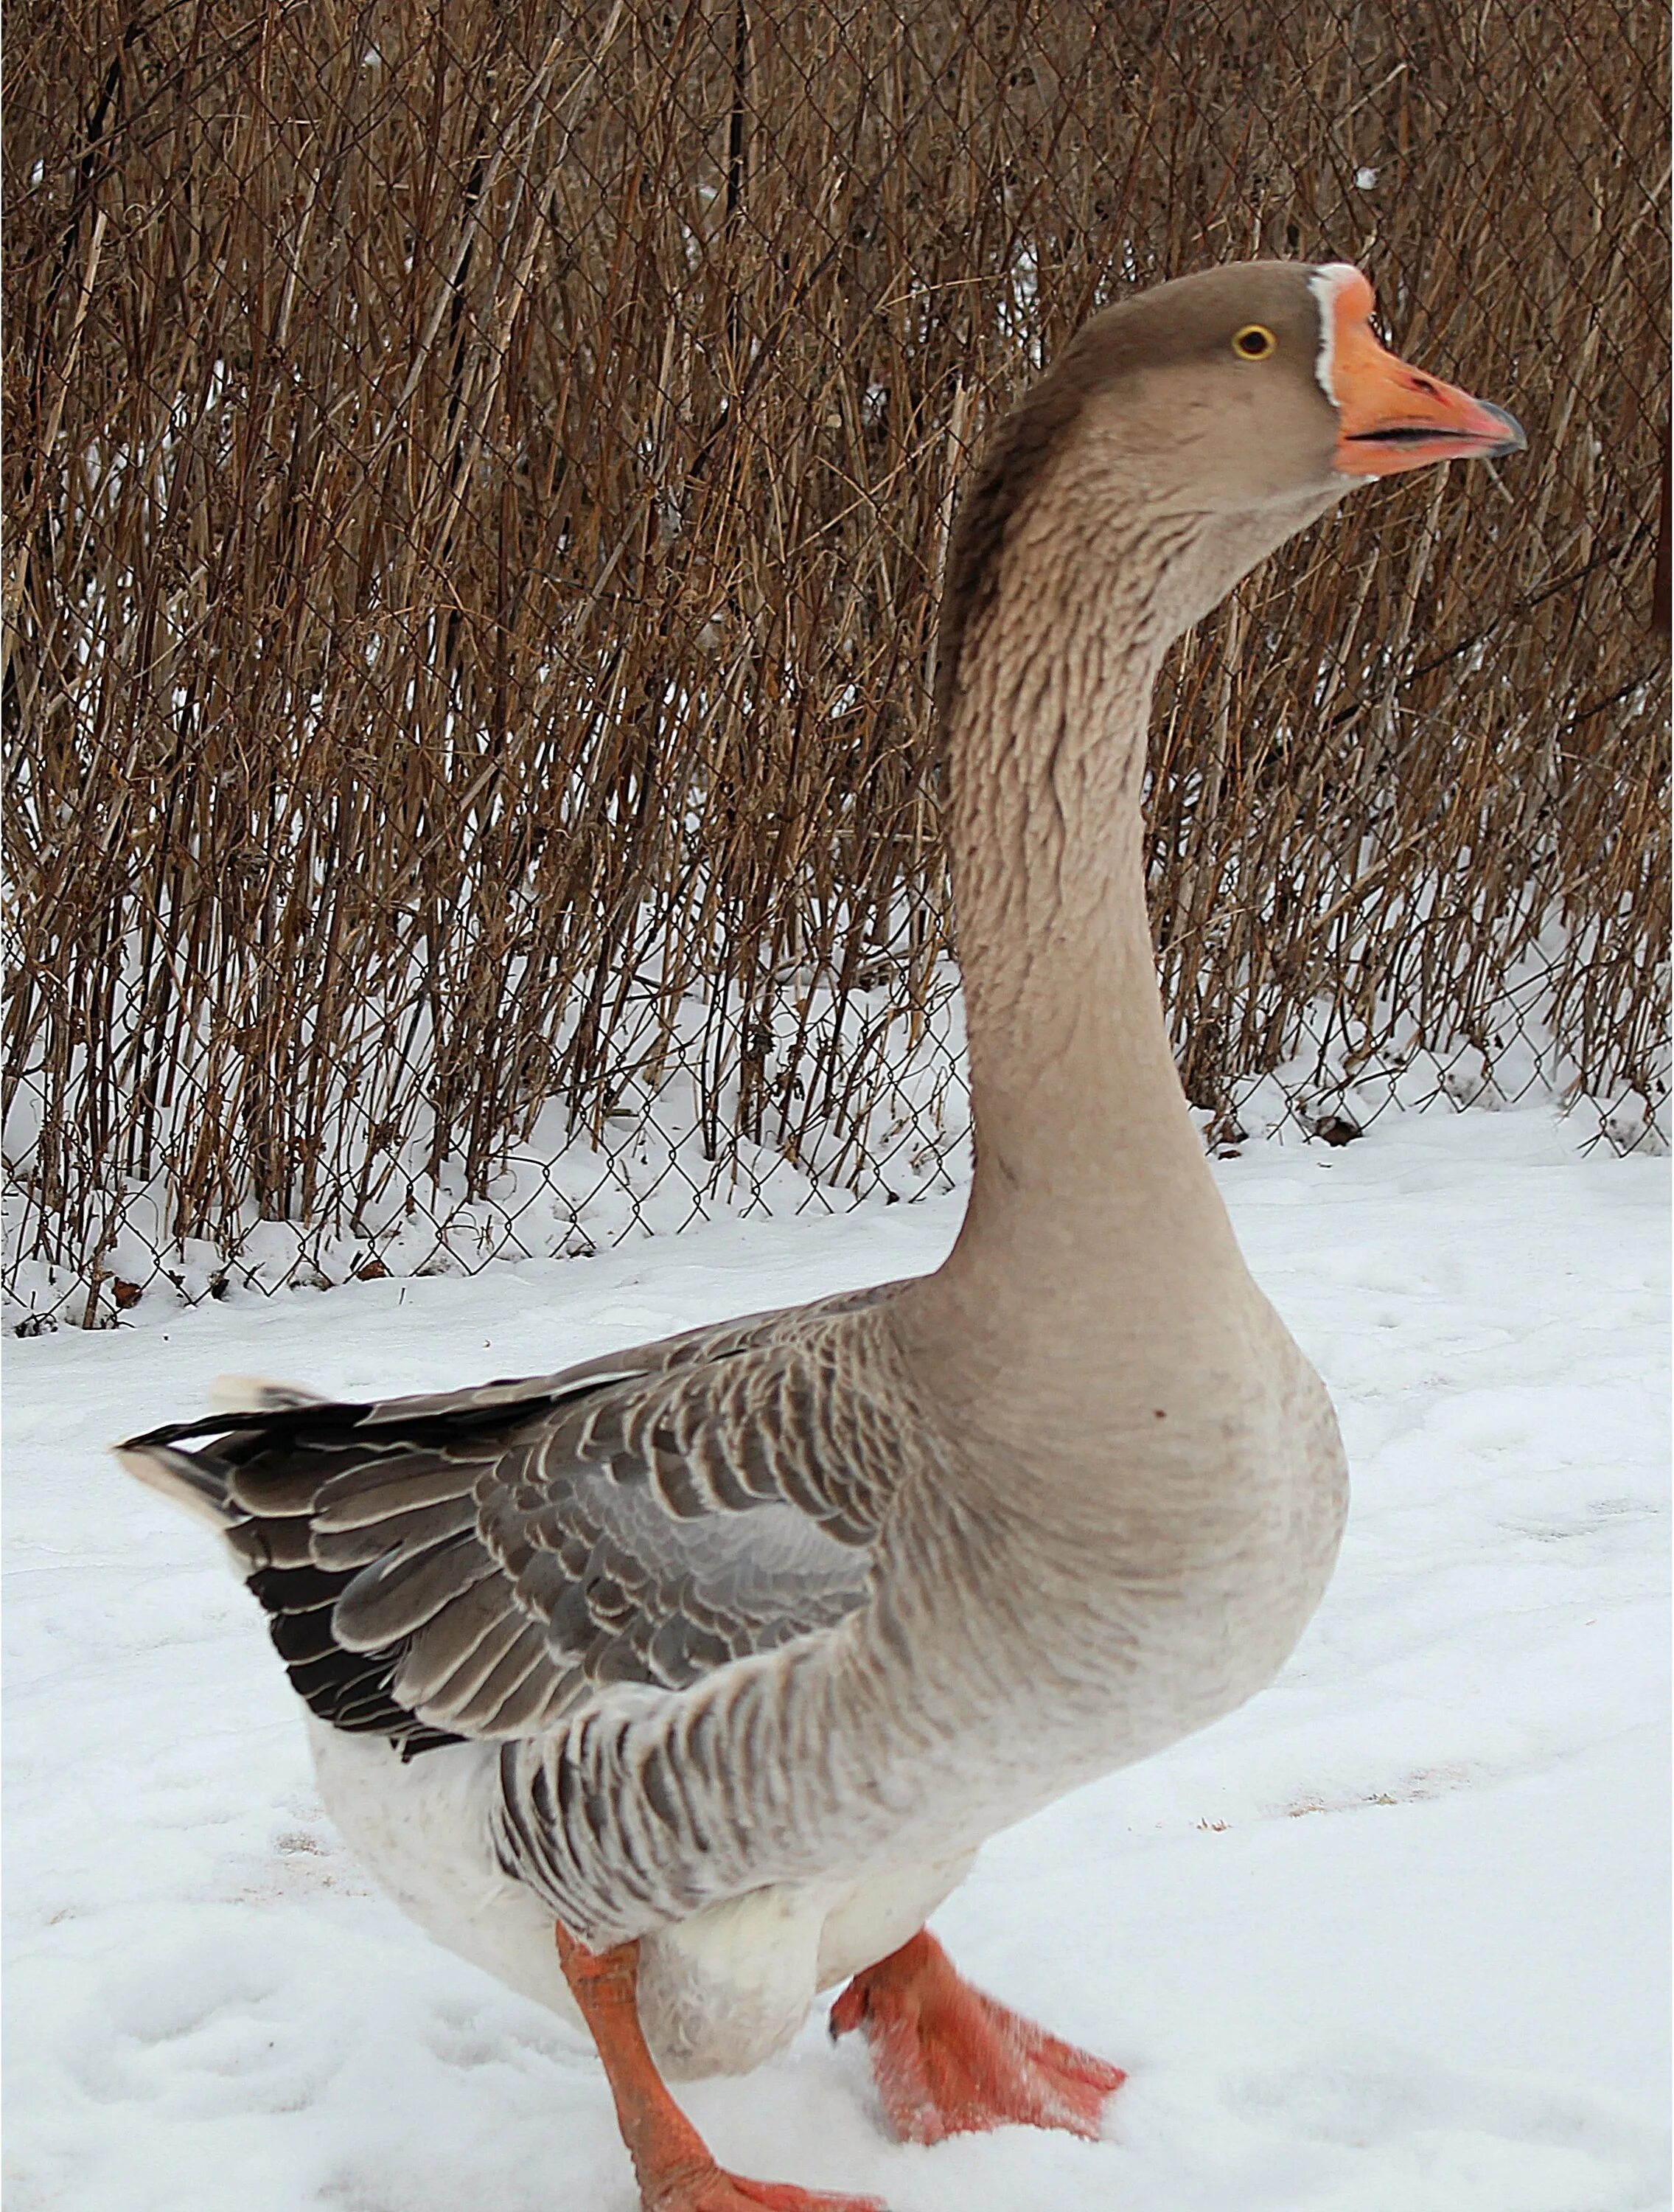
{"points": [[202, 1483], [263, 1458], [197, 1485], [256, 1394]]}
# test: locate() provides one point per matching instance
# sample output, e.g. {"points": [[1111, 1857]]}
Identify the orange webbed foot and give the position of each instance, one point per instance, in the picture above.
{"points": [[950, 2061], [675, 2170], [713, 2191]]}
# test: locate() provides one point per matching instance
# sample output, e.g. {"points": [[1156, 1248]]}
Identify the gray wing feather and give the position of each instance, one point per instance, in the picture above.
{"points": [[646, 1518]]}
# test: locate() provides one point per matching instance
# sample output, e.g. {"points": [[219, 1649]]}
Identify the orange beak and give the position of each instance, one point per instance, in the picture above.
{"points": [[1392, 416]]}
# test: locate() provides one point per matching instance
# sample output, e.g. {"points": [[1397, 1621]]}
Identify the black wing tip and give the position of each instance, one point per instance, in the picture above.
{"points": [[351, 1691], [282, 1422]]}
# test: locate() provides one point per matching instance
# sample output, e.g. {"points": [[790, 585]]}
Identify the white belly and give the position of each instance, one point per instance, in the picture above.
{"points": [[718, 1993]]}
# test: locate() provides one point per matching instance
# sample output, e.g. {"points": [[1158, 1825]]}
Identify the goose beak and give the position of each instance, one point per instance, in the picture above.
{"points": [[1393, 416]]}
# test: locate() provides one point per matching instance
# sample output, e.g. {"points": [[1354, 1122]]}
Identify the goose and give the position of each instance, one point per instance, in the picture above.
{"points": [[681, 1685]]}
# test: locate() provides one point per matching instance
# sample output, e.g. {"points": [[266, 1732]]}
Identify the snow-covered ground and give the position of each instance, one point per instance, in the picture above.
{"points": [[1392, 1939]]}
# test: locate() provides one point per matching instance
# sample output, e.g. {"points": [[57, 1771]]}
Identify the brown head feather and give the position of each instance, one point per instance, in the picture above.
{"points": [[1173, 325]]}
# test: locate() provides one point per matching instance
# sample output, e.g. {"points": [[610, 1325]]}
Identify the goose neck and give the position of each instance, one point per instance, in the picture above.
{"points": [[1089, 1167]]}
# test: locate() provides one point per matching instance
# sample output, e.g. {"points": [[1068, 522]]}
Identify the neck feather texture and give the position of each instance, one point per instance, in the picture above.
{"points": [[1090, 1179]]}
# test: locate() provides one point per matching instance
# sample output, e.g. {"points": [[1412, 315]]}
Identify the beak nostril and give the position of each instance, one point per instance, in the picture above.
{"points": [[1422, 384]]}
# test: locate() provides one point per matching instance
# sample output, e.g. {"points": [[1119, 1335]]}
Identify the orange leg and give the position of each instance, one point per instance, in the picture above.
{"points": [[950, 2061], [675, 2172]]}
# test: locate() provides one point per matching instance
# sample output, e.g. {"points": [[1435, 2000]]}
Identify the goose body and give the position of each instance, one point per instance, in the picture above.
{"points": [[677, 1687], [638, 1818]]}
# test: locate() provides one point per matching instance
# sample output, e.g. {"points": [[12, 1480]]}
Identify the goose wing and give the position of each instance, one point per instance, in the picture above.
{"points": [[481, 1562]]}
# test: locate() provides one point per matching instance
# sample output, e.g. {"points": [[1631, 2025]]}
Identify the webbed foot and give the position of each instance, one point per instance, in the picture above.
{"points": [[950, 2061]]}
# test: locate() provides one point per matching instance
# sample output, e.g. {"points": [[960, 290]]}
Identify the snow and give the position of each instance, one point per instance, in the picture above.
{"points": [[1392, 1939]]}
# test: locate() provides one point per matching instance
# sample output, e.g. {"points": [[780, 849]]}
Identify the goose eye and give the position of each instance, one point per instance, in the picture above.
{"points": [[1254, 343]]}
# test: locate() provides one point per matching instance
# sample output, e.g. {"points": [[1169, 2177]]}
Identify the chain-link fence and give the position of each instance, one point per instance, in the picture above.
{"points": [[478, 476]]}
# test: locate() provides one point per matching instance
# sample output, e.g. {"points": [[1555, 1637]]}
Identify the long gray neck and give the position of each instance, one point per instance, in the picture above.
{"points": [[1092, 1211]]}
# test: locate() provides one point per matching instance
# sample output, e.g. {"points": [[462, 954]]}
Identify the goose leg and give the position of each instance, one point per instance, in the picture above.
{"points": [[950, 2061], [675, 2172]]}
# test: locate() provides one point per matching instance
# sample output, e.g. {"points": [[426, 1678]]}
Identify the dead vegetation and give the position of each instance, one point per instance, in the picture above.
{"points": [[477, 477]]}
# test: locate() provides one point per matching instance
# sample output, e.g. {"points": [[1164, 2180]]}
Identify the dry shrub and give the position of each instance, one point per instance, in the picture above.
{"points": [[478, 476]]}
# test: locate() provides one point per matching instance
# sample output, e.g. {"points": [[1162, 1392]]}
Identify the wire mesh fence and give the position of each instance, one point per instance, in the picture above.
{"points": [[478, 477]]}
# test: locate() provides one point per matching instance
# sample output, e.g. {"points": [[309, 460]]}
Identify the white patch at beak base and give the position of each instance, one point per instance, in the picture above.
{"points": [[1326, 282]]}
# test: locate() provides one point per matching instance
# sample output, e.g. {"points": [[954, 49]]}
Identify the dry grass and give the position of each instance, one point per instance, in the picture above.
{"points": [[478, 479]]}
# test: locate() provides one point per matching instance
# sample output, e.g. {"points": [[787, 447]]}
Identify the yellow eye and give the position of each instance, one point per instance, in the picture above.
{"points": [[1254, 343]]}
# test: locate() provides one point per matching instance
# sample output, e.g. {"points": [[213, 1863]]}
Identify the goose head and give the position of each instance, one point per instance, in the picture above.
{"points": [[1184, 433]]}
